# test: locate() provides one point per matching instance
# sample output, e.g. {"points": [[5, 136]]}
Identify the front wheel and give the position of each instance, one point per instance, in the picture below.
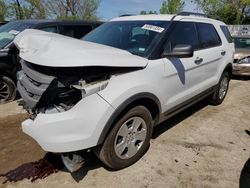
{"points": [[7, 89], [221, 90], [128, 140]]}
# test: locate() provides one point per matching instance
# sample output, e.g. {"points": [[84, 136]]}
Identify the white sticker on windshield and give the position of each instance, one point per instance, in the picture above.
{"points": [[153, 28], [141, 49], [14, 32]]}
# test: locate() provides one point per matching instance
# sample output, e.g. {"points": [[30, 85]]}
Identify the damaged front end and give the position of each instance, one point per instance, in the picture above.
{"points": [[58, 89], [59, 84], [47, 90]]}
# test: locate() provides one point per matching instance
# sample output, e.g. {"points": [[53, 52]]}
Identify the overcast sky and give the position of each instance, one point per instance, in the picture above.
{"points": [[112, 8]]}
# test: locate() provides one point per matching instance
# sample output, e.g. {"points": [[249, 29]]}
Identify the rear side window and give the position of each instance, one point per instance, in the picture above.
{"points": [[226, 33], [208, 36], [77, 31], [183, 33]]}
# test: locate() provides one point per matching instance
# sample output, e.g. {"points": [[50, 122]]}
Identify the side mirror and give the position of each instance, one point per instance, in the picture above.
{"points": [[180, 51]]}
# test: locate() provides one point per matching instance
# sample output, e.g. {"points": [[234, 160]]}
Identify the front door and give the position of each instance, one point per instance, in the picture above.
{"points": [[183, 75]]}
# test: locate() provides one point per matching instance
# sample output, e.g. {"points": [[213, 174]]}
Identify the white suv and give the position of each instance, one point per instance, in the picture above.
{"points": [[107, 91]]}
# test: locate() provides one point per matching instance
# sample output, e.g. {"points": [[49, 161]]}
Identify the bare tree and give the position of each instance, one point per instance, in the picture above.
{"points": [[26, 9], [19, 10], [72, 9]]}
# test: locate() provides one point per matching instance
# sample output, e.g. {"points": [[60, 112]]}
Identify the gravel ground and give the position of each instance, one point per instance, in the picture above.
{"points": [[204, 146]]}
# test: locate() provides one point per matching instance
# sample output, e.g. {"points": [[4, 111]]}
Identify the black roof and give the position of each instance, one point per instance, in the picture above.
{"points": [[46, 21]]}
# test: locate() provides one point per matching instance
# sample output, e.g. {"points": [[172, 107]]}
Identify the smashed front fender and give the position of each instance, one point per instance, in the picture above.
{"points": [[76, 129]]}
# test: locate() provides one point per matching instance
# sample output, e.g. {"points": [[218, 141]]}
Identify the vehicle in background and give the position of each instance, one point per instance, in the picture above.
{"points": [[241, 65], [9, 60], [241, 38], [108, 91], [2, 23]]}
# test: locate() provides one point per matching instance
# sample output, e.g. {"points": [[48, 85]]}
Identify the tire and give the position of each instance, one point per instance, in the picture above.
{"points": [[7, 89], [122, 134], [221, 90]]}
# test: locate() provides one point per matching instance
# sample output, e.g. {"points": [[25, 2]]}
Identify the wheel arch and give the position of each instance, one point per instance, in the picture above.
{"points": [[150, 101], [229, 69], [6, 70], [8, 74]]}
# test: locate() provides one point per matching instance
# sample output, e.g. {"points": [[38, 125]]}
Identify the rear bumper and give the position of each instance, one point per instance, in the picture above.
{"points": [[241, 69], [73, 130]]}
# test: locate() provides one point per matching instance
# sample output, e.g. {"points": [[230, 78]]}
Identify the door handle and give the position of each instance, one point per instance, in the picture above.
{"points": [[198, 61], [223, 52]]}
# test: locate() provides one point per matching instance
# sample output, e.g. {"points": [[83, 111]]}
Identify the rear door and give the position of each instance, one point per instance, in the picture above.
{"points": [[212, 53], [230, 48]]}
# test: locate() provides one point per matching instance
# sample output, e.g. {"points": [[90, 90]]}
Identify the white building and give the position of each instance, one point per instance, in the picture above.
{"points": [[237, 30]]}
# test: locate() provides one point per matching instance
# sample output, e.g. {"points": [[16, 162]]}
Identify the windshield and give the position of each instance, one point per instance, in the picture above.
{"points": [[132, 36], [10, 30], [242, 42]]}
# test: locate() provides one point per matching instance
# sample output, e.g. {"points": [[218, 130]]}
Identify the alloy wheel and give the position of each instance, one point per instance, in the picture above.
{"points": [[130, 137], [4, 92], [223, 88]]}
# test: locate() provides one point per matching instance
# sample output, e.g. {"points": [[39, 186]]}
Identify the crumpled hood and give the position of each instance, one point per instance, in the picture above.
{"points": [[54, 50]]}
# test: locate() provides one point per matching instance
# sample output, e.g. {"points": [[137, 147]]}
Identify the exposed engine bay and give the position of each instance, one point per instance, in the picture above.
{"points": [[58, 89]]}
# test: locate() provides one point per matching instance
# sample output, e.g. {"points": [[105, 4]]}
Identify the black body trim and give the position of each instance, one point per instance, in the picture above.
{"points": [[175, 110], [123, 107], [163, 116]]}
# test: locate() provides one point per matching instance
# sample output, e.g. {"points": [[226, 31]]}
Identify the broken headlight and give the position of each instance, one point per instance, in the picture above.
{"points": [[90, 88]]}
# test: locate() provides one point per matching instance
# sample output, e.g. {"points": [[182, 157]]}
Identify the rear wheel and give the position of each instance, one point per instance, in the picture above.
{"points": [[221, 90], [128, 140], [7, 89]]}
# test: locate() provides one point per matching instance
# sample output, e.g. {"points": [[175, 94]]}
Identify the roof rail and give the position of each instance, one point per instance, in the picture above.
{"points": [[192, 14], [188, 14], [124, 15]]}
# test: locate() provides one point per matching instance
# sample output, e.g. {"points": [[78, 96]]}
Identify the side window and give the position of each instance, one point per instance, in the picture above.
{"points": [[226, 33], [208, 36], [77, 31], [51, 29], [183, 33]]}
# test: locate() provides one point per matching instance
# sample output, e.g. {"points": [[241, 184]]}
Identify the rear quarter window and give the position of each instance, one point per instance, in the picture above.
{"points": [[226, 33], [208, 36]]}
